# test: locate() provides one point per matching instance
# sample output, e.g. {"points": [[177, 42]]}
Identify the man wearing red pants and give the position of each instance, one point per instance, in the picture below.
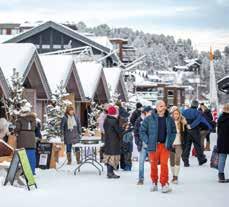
{"points": [[158, 132]]}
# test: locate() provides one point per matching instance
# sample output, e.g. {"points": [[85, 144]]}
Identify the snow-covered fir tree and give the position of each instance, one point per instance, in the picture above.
{"points": [[16, 99], [55, 112], [93, 113]]}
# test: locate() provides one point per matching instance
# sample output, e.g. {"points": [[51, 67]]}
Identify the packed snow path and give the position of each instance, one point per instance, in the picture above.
{"points": [[198, 186]]}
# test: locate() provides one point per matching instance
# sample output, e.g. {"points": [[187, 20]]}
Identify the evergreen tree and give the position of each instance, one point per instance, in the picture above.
{"points": [[16, 99], [55, 112]]}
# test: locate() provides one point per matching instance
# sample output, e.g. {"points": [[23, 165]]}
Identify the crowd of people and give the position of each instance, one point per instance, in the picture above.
{"points": [[163, 136]]}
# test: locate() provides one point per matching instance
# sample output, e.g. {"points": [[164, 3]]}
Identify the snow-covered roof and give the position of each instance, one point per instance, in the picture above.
{"points": [[144, 102], [224, 78], [166, 72], [89, 74], [112, 76], [56, 68], [180, 67], [31, 24], [4, 38], [102, 40], [145, 83], [15, 55]]}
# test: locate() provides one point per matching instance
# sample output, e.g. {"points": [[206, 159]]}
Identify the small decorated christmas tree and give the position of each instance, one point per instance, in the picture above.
{"points": [[93, 113], [16, 100], [55, 112]]}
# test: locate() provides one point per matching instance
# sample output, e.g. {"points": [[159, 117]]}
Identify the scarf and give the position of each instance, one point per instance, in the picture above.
{"points": [[71, 122]]}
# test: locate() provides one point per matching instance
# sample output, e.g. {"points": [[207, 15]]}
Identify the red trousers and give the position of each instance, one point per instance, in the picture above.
{"points": [[160, 156]]}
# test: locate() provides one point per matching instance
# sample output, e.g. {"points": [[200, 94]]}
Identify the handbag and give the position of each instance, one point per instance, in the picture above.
{"points": [[214, 162]]}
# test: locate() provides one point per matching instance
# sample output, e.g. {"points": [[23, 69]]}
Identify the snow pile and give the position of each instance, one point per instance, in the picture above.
{"points": [[15, 55], [57, 68], [89, 74]]}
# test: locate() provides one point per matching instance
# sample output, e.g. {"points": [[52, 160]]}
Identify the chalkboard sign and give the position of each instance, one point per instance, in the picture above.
{"points": [[20, 157], [44, 152], [14, 166]]}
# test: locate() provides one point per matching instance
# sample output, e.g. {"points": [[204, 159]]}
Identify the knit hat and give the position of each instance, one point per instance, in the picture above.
{"points": [[26, 108], [194, 104], [173, 108], [112, 111], [138, 105], [147, 109]]}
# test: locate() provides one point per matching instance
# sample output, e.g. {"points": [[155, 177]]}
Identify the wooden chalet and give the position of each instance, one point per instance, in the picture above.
{"points": [[24, 58], [116, 84], [51, 36]]}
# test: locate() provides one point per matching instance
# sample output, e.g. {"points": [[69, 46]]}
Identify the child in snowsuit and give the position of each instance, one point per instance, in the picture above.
{"points": [[127, 149]]}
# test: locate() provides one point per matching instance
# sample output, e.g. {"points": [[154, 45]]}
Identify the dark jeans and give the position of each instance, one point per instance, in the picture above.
{"points": [[126, 161], [69, 148], [208, 137], [193, 136]]}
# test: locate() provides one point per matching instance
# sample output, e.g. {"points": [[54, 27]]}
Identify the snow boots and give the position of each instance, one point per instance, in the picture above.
{"points": [[203, 161], [175, 180], [110, 173], [69, 158], [154, 188], [175, 171], [166, 189], [140, 182], [78, 157], [222, 178]]}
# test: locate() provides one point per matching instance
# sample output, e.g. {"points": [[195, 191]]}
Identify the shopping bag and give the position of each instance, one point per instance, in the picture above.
{"points": [[214, 158]]}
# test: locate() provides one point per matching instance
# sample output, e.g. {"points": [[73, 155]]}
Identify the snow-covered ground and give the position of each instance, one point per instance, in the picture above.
{"points": [[198, 187]]}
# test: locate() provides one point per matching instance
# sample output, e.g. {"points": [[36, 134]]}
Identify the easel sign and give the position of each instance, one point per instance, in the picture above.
{"points": [[44, 152], [20, 157]]}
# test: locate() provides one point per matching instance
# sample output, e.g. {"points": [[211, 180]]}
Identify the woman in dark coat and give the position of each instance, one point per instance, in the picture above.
{"points": [[223, 141], [71, 130], [113, 134]]}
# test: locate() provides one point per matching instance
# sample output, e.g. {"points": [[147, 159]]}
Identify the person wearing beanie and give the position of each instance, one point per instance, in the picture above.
{"points": [[113, 135], [142, 147], [175, 153], [223, 142], [25, 132], [194, 119], [136, 113]]}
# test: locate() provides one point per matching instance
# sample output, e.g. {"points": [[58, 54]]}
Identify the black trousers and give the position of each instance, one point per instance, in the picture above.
{"points": [[208, 137], [193, 136]]}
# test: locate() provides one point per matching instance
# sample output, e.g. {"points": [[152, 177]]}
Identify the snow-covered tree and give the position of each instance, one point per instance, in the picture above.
{"points": [[93, 113], [55, 112], [16, 99]]}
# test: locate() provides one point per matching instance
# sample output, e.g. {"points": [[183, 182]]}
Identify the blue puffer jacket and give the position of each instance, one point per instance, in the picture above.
{"points": [[149, 132], [195, 118]]}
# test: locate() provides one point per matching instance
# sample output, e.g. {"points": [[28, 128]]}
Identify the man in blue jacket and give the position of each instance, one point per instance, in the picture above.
{"points": [[194, 118], [141, 146], [158, 132]]}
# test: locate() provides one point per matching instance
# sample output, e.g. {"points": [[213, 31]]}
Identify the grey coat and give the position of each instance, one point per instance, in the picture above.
{"points": [[70, 136]]}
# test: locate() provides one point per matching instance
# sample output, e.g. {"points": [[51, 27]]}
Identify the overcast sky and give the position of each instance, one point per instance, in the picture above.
{"points": [[206, 22]]}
